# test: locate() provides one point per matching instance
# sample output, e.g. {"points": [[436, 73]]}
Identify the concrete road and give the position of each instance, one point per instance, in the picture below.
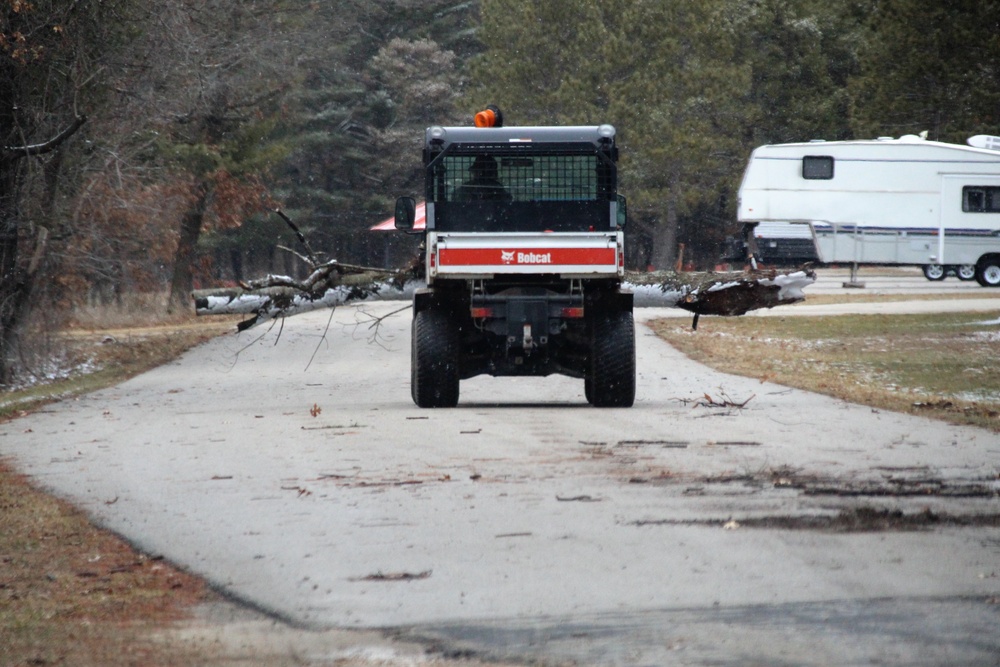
{"points": [[524, 524], [893, 280]]}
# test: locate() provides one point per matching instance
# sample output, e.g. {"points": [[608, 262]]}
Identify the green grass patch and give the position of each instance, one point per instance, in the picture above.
{"points": [[942, 365]]}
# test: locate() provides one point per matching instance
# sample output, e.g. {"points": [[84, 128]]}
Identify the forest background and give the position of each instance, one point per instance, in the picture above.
{"points": [[145, 146]]}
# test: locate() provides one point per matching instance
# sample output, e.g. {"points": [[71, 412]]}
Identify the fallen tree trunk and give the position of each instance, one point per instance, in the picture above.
{"points": [[728, 294], [329, 286], [332, 285]]}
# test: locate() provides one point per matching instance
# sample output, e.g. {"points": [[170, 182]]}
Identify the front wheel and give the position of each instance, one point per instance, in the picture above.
{"points": [[933, 271], [435, 357], [988, 271], [966, 271], [611, 376]]}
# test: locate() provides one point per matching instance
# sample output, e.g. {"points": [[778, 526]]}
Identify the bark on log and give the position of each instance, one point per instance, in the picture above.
{"points": [[328, 286], [727, 294], [332, 284]]}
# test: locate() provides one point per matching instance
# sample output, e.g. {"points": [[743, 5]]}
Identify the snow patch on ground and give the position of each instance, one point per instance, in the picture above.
{"points": [[987, 336], [53, 370], [791, 285]]}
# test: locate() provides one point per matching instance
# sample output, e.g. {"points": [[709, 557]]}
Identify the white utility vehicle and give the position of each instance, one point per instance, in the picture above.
{"points": [[524, 260]]}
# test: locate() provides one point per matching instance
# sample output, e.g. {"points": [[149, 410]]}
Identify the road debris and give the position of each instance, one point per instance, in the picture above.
{"points": [[395, 576]]}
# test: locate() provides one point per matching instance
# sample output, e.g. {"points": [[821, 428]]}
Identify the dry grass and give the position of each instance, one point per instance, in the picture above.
{"points": [[941, 366], [104, 357], [71, 594]]}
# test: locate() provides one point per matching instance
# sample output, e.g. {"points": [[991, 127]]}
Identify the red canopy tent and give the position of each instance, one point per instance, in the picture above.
{"points": [[390, 224]]}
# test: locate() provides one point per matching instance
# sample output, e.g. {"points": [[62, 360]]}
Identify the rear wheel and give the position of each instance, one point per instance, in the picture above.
{"points": [[933, 271], [611, 376], [435, 357], [988, 271], [413, 360], [966, 271]]}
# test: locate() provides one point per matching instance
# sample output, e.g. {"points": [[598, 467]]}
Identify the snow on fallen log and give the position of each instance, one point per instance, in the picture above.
{"points": [[269, 303], [728, 294], [331, 284]]}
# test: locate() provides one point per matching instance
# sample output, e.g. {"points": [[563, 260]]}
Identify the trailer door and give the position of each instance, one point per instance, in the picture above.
{"points": [[969, 212]]}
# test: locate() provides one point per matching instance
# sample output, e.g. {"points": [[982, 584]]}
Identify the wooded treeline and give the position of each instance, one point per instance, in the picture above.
{"points": [[144, 146]]}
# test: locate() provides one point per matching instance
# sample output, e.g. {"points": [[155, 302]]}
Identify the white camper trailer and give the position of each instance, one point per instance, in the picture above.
{"points": [[887, 201]]}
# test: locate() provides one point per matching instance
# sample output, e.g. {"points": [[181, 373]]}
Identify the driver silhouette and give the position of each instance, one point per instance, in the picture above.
{"points": [[483, 183]]}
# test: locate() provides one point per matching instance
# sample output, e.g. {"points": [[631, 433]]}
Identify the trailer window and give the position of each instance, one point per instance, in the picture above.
{"points": [[980, 199], [817, 167]]}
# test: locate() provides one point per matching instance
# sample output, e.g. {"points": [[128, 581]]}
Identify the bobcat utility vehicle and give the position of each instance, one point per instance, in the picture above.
{"points": [[524, 260]]}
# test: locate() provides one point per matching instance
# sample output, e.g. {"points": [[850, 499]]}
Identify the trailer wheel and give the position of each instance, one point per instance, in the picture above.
{"points": [[933, 271], [988, 271], [435, 357], [611, 377], [966, 271]]}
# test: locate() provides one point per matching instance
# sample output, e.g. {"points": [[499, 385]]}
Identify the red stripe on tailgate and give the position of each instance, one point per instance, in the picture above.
{"points": [[526, 256]]}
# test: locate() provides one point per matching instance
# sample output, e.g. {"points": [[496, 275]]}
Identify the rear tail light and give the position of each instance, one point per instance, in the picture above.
{"points": [[479, 312]]}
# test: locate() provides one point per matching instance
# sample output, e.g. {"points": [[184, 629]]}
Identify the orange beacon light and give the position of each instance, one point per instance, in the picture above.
{"points": [[489, 117]]}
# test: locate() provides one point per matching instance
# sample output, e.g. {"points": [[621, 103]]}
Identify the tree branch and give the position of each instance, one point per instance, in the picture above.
{"points": [[302, 239], [728, 294], [18, 152]]}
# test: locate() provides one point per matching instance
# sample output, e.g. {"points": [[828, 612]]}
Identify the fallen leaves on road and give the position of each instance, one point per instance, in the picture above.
{"points": [[581, 499], [395, 576]]}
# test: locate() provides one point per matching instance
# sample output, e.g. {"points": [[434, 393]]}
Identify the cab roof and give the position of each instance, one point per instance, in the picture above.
{"points": [[592, 134]]}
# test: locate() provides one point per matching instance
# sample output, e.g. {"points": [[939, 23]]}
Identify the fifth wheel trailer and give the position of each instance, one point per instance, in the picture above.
{"points": [[902, 201]]}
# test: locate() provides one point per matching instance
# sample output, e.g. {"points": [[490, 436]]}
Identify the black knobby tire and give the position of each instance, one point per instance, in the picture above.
{"points": [[435, 358], [612, 365], [413, 360]]}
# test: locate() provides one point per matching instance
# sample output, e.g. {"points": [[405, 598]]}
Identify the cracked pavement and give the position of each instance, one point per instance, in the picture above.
{"points": [[525, 525]]}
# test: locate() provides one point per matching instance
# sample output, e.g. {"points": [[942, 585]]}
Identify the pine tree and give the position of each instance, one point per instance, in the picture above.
{"points": [[662, 72], [930, 66]]}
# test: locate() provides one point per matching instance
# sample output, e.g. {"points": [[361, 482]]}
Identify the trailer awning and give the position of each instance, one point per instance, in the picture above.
{"points": [[389, 224]]}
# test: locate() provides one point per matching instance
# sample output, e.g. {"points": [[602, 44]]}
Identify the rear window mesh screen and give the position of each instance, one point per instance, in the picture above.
{"points": [[522, 178]]}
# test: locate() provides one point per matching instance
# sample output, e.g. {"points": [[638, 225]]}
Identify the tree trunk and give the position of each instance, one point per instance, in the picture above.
{"points": [[18, 273], [16, 286], [11, 280], [665, 233], [182, 281]]}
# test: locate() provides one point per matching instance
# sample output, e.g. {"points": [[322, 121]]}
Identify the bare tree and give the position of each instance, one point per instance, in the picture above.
{"points": [[214, 108], [53, 63]]}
